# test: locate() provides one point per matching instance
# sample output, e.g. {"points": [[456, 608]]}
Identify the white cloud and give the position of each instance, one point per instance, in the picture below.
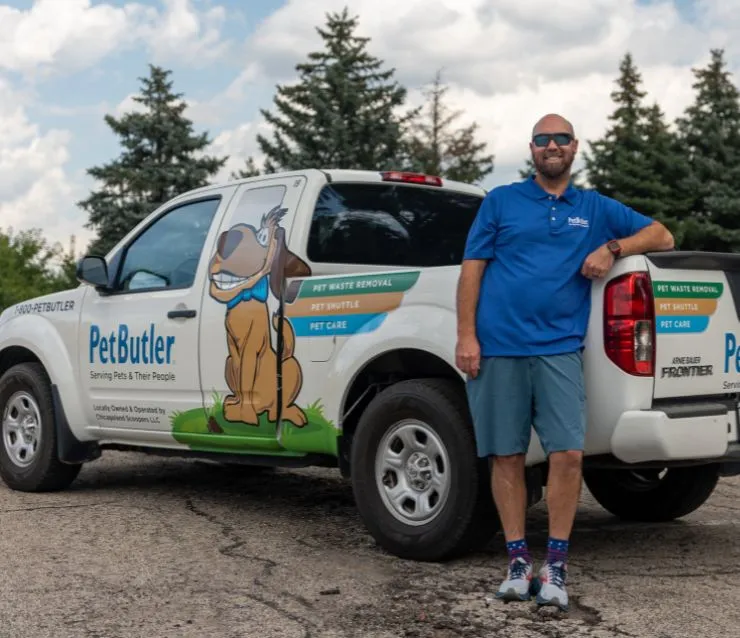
{"points": [[507, 63], [510, 62], [46, 204], [490, 47], [186, 34], [239, 144], [70, 35], [62, 36], [35, 188]]}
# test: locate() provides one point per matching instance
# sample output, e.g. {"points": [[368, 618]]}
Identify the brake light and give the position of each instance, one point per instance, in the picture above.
{"points": [[411, 178], [629, 323]]}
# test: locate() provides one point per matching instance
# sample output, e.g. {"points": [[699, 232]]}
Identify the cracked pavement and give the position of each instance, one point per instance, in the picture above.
{"points": [[153, 547]]}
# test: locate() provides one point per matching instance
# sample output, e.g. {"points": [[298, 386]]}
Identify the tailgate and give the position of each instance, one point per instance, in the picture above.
{"points": [[697, 323]]}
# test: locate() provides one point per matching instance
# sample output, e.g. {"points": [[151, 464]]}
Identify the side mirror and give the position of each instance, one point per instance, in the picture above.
{"points": [[94, 271]]}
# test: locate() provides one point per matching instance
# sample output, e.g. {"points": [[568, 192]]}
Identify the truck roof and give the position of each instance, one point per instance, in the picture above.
{"points": [[350, 175]]}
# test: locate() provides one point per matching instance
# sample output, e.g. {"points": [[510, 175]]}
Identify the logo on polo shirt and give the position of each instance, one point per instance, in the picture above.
{"points": [[578, 221]]}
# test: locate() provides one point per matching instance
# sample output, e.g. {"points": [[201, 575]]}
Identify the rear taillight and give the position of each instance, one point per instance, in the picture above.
{"points": [[629, 323]]}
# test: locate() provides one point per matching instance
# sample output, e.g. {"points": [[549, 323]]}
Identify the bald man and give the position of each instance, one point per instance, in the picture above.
{"points": [[523, 308]]}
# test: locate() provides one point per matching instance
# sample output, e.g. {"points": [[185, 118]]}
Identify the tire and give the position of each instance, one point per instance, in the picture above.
{"points": [[35, 466], [640, 495], [465, 516]]}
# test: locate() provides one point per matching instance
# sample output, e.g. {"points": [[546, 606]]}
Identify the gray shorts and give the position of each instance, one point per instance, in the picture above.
{"points": [[511, 395]]}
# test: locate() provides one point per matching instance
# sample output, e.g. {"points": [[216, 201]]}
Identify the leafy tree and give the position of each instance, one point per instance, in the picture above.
{"points": [[161, 158], [342, 111], [436, 149], [30, 267], [709, 134]]}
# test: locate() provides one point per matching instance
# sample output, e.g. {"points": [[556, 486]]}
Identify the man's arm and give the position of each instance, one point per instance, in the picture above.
{"points": [[468, 291], [635, 233], [467, 351], [653, 237], [479, 250]]}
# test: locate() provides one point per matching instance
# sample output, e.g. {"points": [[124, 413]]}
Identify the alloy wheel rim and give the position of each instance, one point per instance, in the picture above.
{"points": [[412, 472], [21, 428]]}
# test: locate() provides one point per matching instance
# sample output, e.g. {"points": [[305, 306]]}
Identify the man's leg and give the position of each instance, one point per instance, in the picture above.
{"points": [[510, 494], [560, 422], [500, 399], [563, 491]]}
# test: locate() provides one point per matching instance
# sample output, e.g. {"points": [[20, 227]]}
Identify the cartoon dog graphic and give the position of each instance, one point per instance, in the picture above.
{"points": [[247, 265]]}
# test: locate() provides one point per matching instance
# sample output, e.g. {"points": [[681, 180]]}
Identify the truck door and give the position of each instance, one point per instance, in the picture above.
{"points": [[242, 334], [138, 354]]}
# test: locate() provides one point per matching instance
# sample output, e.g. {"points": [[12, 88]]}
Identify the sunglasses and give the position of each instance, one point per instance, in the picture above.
{"points": [[543, 139]]}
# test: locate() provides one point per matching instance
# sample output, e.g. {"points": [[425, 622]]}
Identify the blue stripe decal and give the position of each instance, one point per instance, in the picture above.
{"points": [[330, 325], [681, 324]]}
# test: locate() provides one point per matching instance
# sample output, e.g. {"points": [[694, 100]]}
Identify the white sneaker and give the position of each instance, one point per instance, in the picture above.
{"points": [[518, 580], [551, 585]]}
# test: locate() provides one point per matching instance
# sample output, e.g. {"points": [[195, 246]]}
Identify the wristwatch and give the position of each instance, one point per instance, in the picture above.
{"points": [[614, 248]]}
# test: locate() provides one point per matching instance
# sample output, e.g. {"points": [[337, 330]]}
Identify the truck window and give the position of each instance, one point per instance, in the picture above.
{"points": [[166, 254], [390, 225]]}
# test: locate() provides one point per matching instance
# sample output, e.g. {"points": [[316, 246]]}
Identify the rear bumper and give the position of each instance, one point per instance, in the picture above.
{"points": [[652, 435]]}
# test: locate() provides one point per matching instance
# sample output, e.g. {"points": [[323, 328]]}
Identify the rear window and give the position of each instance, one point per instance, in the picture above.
{"points": [[390, 225]]}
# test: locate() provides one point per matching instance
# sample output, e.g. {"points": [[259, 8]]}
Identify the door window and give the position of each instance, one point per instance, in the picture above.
{"points": [[167, 253]]}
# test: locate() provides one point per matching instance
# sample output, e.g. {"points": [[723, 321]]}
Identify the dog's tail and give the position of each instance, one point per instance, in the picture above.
{"points": [[288, 337]]}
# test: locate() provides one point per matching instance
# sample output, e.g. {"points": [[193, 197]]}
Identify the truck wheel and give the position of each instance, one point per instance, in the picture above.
{"points": [[419, 487], [28, 449], [648, 495]]}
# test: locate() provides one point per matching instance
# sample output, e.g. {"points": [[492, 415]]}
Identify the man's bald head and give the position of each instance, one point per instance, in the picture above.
{"points": [[553, 146], [553, 123]]}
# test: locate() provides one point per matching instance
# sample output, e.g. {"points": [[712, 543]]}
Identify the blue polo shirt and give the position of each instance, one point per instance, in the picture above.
{"points": [[533, 299]]}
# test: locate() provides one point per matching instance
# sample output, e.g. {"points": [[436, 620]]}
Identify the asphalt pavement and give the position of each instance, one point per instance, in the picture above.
{"points": [[152, 547]]}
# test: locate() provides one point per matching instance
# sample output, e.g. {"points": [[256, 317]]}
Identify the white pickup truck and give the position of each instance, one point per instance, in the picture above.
{"points": [[308, 318]]}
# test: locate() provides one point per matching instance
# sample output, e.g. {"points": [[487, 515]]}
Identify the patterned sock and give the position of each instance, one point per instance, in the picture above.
{"points": [[518, 549], [557, 550]]}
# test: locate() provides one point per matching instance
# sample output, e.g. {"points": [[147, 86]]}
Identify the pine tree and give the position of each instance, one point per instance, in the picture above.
{"points": [[161, 158], [435, 149], [250, 170], [342, 111], [617, 161], [667, 170], [637, 161], [709, 134]]}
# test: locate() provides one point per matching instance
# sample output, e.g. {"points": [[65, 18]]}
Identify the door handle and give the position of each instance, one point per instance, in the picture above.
{"points": [[181, 314]]}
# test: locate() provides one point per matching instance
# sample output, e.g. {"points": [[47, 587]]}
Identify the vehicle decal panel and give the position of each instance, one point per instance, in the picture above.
{"points": [[695, 324], [343, 306], [239, 336], [685, 306]]}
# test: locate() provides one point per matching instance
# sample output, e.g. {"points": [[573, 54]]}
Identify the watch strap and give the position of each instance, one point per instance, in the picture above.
{"points": [[614, 247]]}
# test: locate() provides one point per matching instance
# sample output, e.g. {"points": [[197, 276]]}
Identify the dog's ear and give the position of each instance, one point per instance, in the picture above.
{"points": [[295, 266], [285, 264]]}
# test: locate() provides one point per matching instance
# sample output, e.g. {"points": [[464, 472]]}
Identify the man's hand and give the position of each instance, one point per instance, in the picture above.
{"points": [[598, 263], [467, 355]]}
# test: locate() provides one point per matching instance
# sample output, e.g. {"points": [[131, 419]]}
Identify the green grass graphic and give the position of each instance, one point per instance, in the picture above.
{"points": [[206, 429]]}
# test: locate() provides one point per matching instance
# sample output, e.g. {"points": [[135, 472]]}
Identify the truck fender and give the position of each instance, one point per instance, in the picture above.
{"points": [[39, 337], [403, 328]]}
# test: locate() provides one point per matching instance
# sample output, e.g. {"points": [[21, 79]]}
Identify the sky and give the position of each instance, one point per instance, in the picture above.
{"points": [[64, 64]]}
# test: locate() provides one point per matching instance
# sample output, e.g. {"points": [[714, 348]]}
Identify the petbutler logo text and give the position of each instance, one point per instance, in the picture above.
{"points": [[581, 222], [120, 347], [732, 353]]}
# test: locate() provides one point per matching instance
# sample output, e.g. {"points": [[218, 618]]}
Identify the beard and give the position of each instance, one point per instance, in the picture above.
{"points": [[558, 165]]}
